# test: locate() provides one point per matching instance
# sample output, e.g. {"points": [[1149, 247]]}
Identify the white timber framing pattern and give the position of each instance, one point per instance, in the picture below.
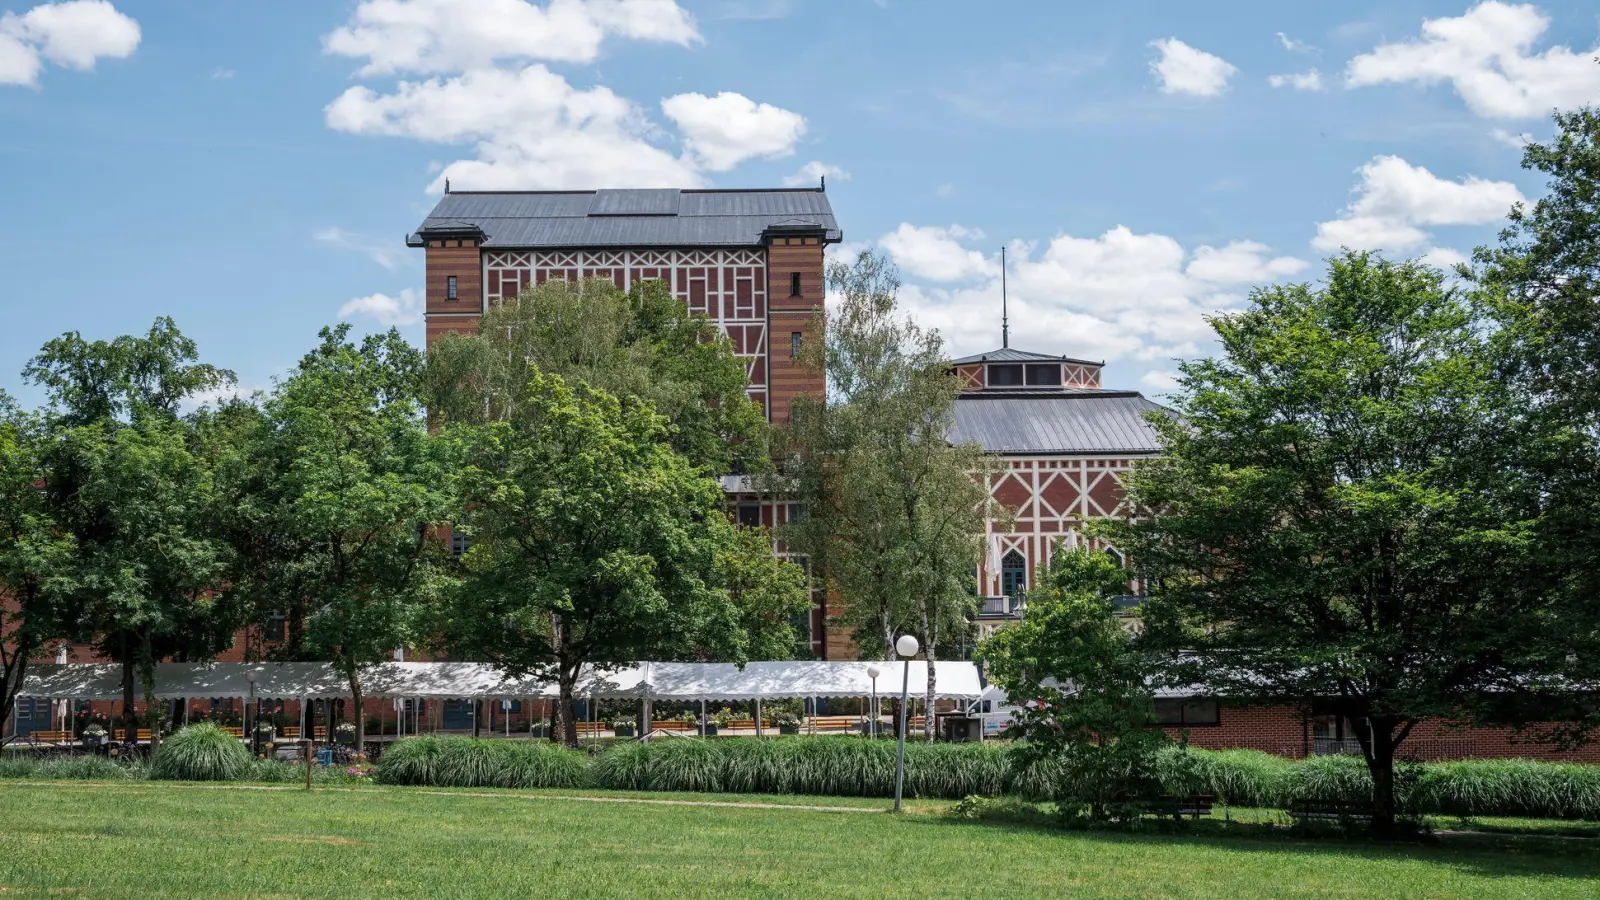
{"points": [[1053, 497], [729, 286]]}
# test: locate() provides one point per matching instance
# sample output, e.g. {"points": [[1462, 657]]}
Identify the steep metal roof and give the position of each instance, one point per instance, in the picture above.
{"points": [[634, 217], [1006, 354], [1071, 421]]}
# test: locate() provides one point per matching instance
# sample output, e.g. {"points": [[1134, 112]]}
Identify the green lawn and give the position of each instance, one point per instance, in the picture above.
{"points": [[141, 839]]}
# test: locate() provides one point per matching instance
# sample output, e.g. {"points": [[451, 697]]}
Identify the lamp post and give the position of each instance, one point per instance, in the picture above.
{"points": [[255, 741], [906, 647], [872, 724]]}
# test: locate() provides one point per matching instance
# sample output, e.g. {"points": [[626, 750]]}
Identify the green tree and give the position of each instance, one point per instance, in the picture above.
{"points": [[334, 502], [1541, 285], [123, 481], [1337, 514], [1082, 688], [895, 513], [595, 543], [35, 553], [640, 343]]}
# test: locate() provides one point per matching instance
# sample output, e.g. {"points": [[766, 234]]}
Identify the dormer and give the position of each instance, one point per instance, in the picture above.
{"points": [[1019, 370]]}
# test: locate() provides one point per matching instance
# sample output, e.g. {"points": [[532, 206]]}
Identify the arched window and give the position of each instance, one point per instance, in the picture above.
{"points": [[1013, 574], [1116, 556]]}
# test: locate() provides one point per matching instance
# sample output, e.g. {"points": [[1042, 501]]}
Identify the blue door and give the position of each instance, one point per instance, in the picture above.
{"points": [[457, 715], [33, 714]]}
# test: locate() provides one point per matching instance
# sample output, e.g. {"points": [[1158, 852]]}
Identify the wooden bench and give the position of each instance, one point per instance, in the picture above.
{"points": [[750, 724], [234, 730], [591, 729], [834, 723], [1195, 806], [50, 737], [289, 732], [142, 735], [1334, 810], [674, 725]]}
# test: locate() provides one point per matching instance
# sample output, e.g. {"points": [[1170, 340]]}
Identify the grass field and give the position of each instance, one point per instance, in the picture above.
{"points": [[176, 840]]}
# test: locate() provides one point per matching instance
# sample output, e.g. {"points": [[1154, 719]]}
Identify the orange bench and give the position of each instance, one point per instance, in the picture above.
{"points": [[834, 723], [234, 730], [673, 725], [50, 737], [290, 732]]}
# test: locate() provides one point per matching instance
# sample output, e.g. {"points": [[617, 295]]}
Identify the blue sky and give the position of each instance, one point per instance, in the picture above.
{"points": [[252, 169]]}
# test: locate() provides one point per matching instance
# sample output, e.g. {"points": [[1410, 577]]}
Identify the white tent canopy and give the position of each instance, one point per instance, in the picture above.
{"points": [[657, 680]]}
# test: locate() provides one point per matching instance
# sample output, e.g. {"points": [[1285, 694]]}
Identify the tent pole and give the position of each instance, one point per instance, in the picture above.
{"points": [[758, 717], [702, 717]]}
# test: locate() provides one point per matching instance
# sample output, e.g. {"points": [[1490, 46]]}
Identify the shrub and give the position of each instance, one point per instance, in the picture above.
{"points": [[70, 768], [470, 762], [1509, 787], [1237, 777], [202, 752]]}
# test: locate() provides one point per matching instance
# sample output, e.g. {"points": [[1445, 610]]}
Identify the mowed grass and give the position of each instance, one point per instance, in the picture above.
{"points": [[183, 840]]}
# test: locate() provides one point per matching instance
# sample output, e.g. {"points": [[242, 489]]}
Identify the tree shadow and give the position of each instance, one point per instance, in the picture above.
{"points": [[1485, 855]]}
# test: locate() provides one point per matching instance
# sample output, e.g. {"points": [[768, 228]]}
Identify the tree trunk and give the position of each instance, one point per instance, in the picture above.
{"points": [[130, 722], [14, 673], [927, 702], [355, 696], [568, 679], [1378, 745], [152, 708]]}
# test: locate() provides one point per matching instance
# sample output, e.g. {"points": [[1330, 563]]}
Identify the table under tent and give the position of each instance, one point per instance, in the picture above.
{"points": [[418, 692]]}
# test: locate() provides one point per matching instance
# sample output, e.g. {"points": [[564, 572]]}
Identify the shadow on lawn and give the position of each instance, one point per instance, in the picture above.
{"points": [[1485, 855]]}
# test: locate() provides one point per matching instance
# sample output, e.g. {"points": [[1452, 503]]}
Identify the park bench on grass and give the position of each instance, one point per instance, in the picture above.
{"points": [[1330, 810], [1195, 806]]}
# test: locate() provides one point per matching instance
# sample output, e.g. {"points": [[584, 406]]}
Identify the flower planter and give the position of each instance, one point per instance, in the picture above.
{"points": [[711, 729], [788, 727], [94, 740], [621, 730]]}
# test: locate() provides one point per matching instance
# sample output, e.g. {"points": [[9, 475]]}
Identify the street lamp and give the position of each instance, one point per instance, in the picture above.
{"points": [[906, 647], [255, 741], [872, 728]]}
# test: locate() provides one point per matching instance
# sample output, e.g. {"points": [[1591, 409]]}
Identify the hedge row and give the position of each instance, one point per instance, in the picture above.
{"points": [[850, 766]]}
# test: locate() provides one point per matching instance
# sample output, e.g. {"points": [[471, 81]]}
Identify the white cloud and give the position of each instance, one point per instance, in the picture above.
{"points": [[378, 251], [1444, 257], [935, 253], [1121, 295], [429, 36], [813, 172], [1486, 55], [405, 309], [1309, 80], [1159, 380], [1184, 70], [723, 131], [218, 395], [1518, 140], [1396, 200], [1294, 46], [74, 34], [531, 130], [222, 74]]}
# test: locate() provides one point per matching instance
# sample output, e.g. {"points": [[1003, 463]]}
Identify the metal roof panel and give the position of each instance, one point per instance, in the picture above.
{"points": [[1108, 422]]}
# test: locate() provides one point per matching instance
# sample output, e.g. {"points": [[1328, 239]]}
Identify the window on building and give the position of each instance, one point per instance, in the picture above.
{"points": [[1013, 574], [1189, 711], [794, 284], [1005, 376], [450, 288], [793, 512], [274, 627], [1049, 373], [1116, 556], [795, 338], [750, 515], [459, 542]]}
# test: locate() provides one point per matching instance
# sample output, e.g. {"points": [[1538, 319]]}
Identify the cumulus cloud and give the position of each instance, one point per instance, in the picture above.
{"points": [[74, 34], [813, 172], [1487, 56], [1309, 80], [405, 309], [1182, 69], [722, 131], [428, 36], [1160, 380], [1395, 201], [531, 130], [1121, 295], [1294, 46], [1518, 140], [935, 253]]}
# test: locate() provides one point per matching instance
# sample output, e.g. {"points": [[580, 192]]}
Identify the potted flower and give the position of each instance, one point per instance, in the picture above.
{"points": [[724, 717], [540, 729], [265, 732], [345, 732], [706, 727], [94, 735], [623, 728], [788, 723]]}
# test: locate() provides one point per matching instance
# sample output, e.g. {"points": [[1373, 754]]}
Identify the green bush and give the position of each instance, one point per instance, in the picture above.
{"points": [[70, 768], [1509, 787], [469, 762], [202, 752]]}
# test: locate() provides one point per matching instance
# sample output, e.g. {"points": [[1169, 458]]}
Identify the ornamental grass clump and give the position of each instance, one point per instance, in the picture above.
{"points": [[470, 762], [71, 768], [1335, 779], [201, 752], [1509, 787], [1235, 777]]}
